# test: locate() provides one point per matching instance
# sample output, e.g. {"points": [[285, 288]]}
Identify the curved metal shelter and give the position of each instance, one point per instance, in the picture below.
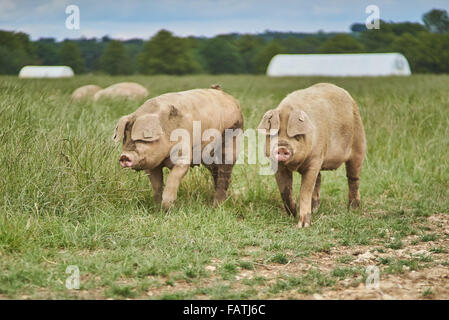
{"points": [[339, 65]]}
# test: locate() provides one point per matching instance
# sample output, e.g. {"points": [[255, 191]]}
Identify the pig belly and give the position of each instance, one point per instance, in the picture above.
{"points": [[335, 159], [332, 164]]}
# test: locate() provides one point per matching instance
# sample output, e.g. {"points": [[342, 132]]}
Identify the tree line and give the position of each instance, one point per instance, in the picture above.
{"points": [[425, 45]]}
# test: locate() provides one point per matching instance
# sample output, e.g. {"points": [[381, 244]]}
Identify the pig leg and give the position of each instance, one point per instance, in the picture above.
{"points": [[214, 172], [223, 179], [308, 182], [284, 179], [157, 183], [173, 181], [353, 171], [316, 194]]}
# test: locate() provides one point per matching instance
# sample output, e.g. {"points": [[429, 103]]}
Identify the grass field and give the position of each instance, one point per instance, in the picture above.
{"points": [[64, 200]]}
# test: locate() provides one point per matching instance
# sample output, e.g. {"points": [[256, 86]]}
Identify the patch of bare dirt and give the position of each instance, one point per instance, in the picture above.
{"points": [[429, 283]]}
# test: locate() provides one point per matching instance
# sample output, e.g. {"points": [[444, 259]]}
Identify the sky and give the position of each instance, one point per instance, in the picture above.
{"points": [[128, 19]]}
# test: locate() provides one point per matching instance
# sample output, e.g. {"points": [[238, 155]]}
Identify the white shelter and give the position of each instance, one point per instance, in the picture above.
{"points": [[46, 72], [339, 65]]}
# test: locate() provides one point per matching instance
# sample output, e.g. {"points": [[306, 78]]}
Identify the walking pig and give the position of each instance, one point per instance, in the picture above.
{"points": [[148, 144], [318, 128]]}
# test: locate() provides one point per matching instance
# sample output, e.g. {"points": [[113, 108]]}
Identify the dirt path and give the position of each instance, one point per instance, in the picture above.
{"points": [[431, 282], [417, 270]]}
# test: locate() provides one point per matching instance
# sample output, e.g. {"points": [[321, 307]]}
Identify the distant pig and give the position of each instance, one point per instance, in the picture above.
{"points": [[318, 128], [85, 92], [148, 143], [123, 90]]}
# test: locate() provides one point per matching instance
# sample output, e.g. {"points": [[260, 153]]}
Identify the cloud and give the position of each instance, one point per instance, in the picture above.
{"points": [[51, 6], [7, 7], [134, 18]]}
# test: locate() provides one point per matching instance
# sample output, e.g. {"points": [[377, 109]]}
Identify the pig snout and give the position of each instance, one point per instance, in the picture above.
{"points": [[125, 161], [282, 154]]}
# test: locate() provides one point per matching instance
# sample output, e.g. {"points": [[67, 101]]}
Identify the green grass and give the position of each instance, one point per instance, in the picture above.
{"points": [[395, 244], [121, 291], [438, 250], [311, 282], [398, 266], [428, 292], [65, 201], [429, 237], [279, 258], [345, 259], [346, 272], [246, 265]]}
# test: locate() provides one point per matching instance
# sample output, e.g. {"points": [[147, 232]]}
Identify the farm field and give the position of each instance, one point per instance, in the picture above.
{"points": [[65, 201]]}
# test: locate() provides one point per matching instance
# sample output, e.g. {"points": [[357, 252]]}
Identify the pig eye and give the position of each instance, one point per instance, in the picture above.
{"points": [[298, 137]]}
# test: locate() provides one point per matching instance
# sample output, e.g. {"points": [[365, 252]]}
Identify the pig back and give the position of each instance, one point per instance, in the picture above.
{"points": [[214, 108]]}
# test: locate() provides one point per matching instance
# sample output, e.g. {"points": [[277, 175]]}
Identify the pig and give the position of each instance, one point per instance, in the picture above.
{"points": [[127, 90], [317, 128], [147, 144], [85, 92]]}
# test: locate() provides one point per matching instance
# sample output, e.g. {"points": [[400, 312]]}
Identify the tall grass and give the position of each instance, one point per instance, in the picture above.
{"points": [[65, 201]]}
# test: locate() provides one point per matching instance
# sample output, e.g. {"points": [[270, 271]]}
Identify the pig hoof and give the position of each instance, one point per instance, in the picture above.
{"points": [[315, 205], [304, 222], [303, 225], [218, 200], [291, 211], [354, 204], [157, 200], [166, 205]]}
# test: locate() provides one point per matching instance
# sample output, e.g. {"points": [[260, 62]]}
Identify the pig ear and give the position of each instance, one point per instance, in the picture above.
{"points": [[298, 123], [270, 121], [147, 128], [120, 128]]}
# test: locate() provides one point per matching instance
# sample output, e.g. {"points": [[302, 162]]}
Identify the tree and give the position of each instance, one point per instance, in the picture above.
{"points": [[436, 21], [220, 56], [358, 27], [71, 56], [166, 54], [16, 50], [248, 46], [264, 57], [133, 48], [378, 40], [403, 27], [310, 44], [114, 59], [426, 52], [47, 51], [397, 28], [291, 44], [341, 43], [412, 49], [91, 50]]}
